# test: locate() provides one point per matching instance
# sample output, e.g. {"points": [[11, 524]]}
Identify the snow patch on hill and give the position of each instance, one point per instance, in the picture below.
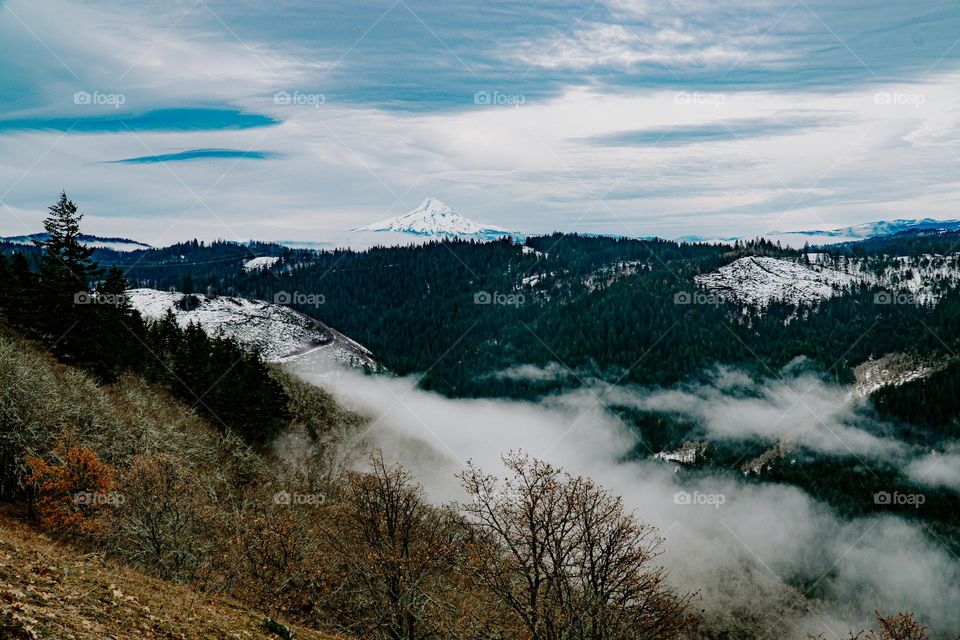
{"points": [[262, 262], [893, 369], [281, 334], [688, 453], [758, 281]]}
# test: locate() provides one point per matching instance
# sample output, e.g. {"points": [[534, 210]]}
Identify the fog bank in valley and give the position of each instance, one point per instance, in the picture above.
{"points": [[749, 548]]}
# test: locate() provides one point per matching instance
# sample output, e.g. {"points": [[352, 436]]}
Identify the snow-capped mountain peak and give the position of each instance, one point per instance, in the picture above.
{"points": [[436, 219]]}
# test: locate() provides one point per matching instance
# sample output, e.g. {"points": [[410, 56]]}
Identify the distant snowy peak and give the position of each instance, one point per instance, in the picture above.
{"points": [[879, 228], [94, 242], [435, 219]]}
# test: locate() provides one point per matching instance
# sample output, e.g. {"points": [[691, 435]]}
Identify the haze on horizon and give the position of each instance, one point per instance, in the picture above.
{"points": [[292, 120]]}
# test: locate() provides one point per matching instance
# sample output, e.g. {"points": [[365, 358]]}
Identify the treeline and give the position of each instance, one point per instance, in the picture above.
{"points": [[415, 307], [932, 402], [81, 314]]}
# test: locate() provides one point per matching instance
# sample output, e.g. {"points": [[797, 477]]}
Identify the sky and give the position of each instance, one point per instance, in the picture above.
{"points": [[300, 120]]}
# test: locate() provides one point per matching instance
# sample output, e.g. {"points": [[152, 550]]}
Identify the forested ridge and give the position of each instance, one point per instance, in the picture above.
{"points": [[415, 307]]}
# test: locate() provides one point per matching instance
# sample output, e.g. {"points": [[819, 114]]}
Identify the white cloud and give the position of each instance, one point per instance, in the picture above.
{"points": [[937, 470], [800, 409]]}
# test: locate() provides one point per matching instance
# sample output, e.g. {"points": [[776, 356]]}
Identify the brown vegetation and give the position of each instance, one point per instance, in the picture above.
{"points": [[902, 626], [567, 559], [50, 590], [71, 490]]}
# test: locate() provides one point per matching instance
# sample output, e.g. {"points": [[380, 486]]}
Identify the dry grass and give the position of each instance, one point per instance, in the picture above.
{"points": [[51, 590]]}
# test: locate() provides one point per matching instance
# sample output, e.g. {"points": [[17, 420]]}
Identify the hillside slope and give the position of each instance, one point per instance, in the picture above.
{"points": [[278, 331], [50, 590]]}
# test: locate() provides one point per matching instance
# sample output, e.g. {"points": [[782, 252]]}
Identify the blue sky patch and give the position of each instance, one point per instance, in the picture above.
{"points": [[198, 154], [189, 119]]}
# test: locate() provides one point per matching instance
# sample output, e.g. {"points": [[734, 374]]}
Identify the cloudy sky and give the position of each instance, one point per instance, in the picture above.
{"points": [[297, 120]]}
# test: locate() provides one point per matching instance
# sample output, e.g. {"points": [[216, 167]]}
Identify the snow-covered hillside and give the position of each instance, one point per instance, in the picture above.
{"points": [[435, 219], [282, 334], [893, 369], [758, 281], [262, 262]]}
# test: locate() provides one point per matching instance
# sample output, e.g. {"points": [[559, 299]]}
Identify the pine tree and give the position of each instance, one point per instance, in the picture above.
{"points": [[65, 273], [6, 282], [18, 302], [119, 331]]}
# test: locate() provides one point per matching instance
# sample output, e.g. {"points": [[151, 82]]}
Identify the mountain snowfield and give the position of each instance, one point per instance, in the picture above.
{"points": [[282, 334], [758, 280], [435, 219]]}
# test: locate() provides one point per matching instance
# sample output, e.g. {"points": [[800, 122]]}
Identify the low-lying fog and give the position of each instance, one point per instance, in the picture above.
{"points": [[739, 543]]}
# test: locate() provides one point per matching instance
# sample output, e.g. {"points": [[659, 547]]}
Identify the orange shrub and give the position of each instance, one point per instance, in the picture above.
{"points": [[71, 490]]}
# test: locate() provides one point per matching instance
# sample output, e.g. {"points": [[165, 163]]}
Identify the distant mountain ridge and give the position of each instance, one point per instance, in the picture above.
{"points": [[865, 230], [878, 228], [98, 242], [433, 218]]}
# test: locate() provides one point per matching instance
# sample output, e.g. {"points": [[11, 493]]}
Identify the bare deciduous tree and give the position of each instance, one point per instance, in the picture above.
{"points": [[902, 626], [567, 559], [159, 524], [391, 557]]}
